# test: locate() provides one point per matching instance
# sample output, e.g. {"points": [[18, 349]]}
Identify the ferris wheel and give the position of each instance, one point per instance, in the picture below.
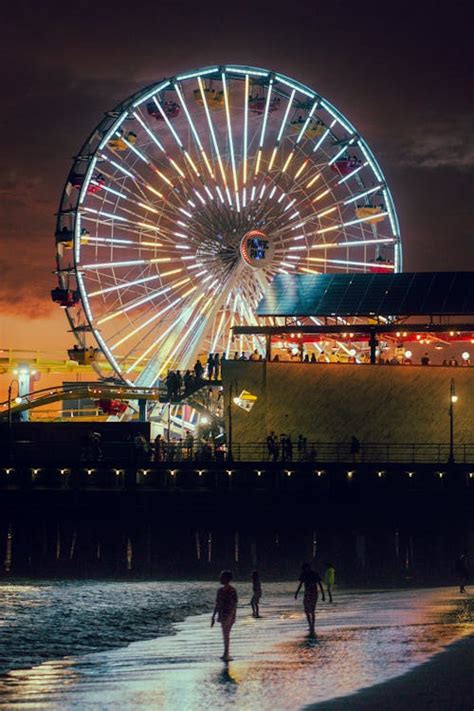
{"points": [[192, 194]]}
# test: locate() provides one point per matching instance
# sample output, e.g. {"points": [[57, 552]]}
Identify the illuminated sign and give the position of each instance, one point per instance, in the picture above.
{"points": [[245, 400], [256, 249]]}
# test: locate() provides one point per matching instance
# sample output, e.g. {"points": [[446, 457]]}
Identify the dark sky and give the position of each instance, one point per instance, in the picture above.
{"points": [[401, 72]]}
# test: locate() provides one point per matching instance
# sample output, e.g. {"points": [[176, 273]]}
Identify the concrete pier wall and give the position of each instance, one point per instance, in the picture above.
{"points": [[330, 403]]}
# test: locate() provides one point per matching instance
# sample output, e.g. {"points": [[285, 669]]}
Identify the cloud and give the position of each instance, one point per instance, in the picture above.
{"points": [[24, 289], [439, 144]]}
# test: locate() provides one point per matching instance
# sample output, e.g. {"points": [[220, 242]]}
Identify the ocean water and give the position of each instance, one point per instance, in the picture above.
{"points": [[69, 645], [41, 620]]}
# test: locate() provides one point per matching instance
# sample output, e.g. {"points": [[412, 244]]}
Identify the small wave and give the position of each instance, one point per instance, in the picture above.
{"points": [[49, 620]]}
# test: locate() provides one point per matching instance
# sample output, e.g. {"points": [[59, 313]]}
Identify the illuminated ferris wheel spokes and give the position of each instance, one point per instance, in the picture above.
{"points": [[199, 192]]}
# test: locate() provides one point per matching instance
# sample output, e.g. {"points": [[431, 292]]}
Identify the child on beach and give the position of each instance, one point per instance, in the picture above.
{"points": [[311, 581], [257, 594], [329, 578], [225, 609]]}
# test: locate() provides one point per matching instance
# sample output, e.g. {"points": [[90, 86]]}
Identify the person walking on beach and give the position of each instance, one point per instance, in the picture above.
{"points": [[462, 570], [329, 578], [225, 609], [257, 594], [311, 581]]}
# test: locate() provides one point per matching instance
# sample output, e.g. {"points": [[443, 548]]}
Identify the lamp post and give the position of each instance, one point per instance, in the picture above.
{"points": [[452, 399], [18, 399], [230, 456]]}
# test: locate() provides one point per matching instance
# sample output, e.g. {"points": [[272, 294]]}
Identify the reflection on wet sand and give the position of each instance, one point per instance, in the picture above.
{"points": [[361, 640]]}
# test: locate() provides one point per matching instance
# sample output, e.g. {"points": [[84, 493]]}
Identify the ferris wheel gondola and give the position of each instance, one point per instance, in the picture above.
{"points": [[192, 194]]}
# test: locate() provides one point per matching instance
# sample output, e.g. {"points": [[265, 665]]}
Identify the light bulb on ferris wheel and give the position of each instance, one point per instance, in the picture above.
{"points": [[192, 194]]}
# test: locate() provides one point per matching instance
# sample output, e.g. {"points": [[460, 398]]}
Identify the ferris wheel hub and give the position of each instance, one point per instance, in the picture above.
{"points": [[256, 249]]}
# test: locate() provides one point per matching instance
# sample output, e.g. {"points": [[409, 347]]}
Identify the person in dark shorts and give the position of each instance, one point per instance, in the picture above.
{"points": [[311, 581], [225, 609], [257, 594], [462, 570]]}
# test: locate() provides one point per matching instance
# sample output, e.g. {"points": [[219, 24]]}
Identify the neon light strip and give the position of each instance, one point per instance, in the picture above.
{"points": [[146, 323], [125, 285], [265, 114], [321, 195], [144, 300], [104, 241], [194, 130], [149, 132], [211, 129], [285, 117], [313, 180], [231, 142], [338, 155], [361, 195], [356, 243], [296, 87], [350, 263], [114, 240], [388, 203], [252, 72], [106, 214], [371, 160], [118, 166], [135, 150], [326, 212], [112, 130], [305, 125], [300, 169], [168, 123], [352, 222], [155, 90], [110, 190], [336, 115], [144, 355], [87, 177], [200, 73], [319, 143], [131, 263], [288, 161], [346, 177], [189, 329], [246, 128]]}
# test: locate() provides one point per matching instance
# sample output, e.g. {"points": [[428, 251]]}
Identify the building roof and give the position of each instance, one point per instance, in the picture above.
{"points": [[404, 294]]}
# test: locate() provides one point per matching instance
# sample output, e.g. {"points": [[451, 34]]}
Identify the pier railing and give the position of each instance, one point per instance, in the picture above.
{"points": [[37, 453]]}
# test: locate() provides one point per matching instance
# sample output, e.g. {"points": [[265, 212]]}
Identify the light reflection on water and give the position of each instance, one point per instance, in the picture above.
{"points": [[362, 639]]}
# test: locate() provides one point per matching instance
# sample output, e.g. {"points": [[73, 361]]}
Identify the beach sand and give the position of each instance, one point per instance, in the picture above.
{"points": [[375, 641], [444, 683]]}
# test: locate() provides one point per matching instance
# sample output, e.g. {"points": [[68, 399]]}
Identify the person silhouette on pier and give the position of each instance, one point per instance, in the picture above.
{"points": [[210, 366], [311, 581], [225, 609]]}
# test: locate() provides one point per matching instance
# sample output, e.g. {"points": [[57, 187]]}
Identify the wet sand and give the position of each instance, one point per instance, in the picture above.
{"points": [[365, 639], [444, 683]]}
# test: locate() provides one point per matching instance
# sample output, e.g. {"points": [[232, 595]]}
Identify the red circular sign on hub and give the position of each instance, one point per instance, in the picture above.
{"points": [[256, 249]]}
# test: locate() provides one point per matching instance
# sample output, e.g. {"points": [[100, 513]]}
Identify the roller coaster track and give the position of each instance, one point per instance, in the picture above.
{"points": [[102, 391]]}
